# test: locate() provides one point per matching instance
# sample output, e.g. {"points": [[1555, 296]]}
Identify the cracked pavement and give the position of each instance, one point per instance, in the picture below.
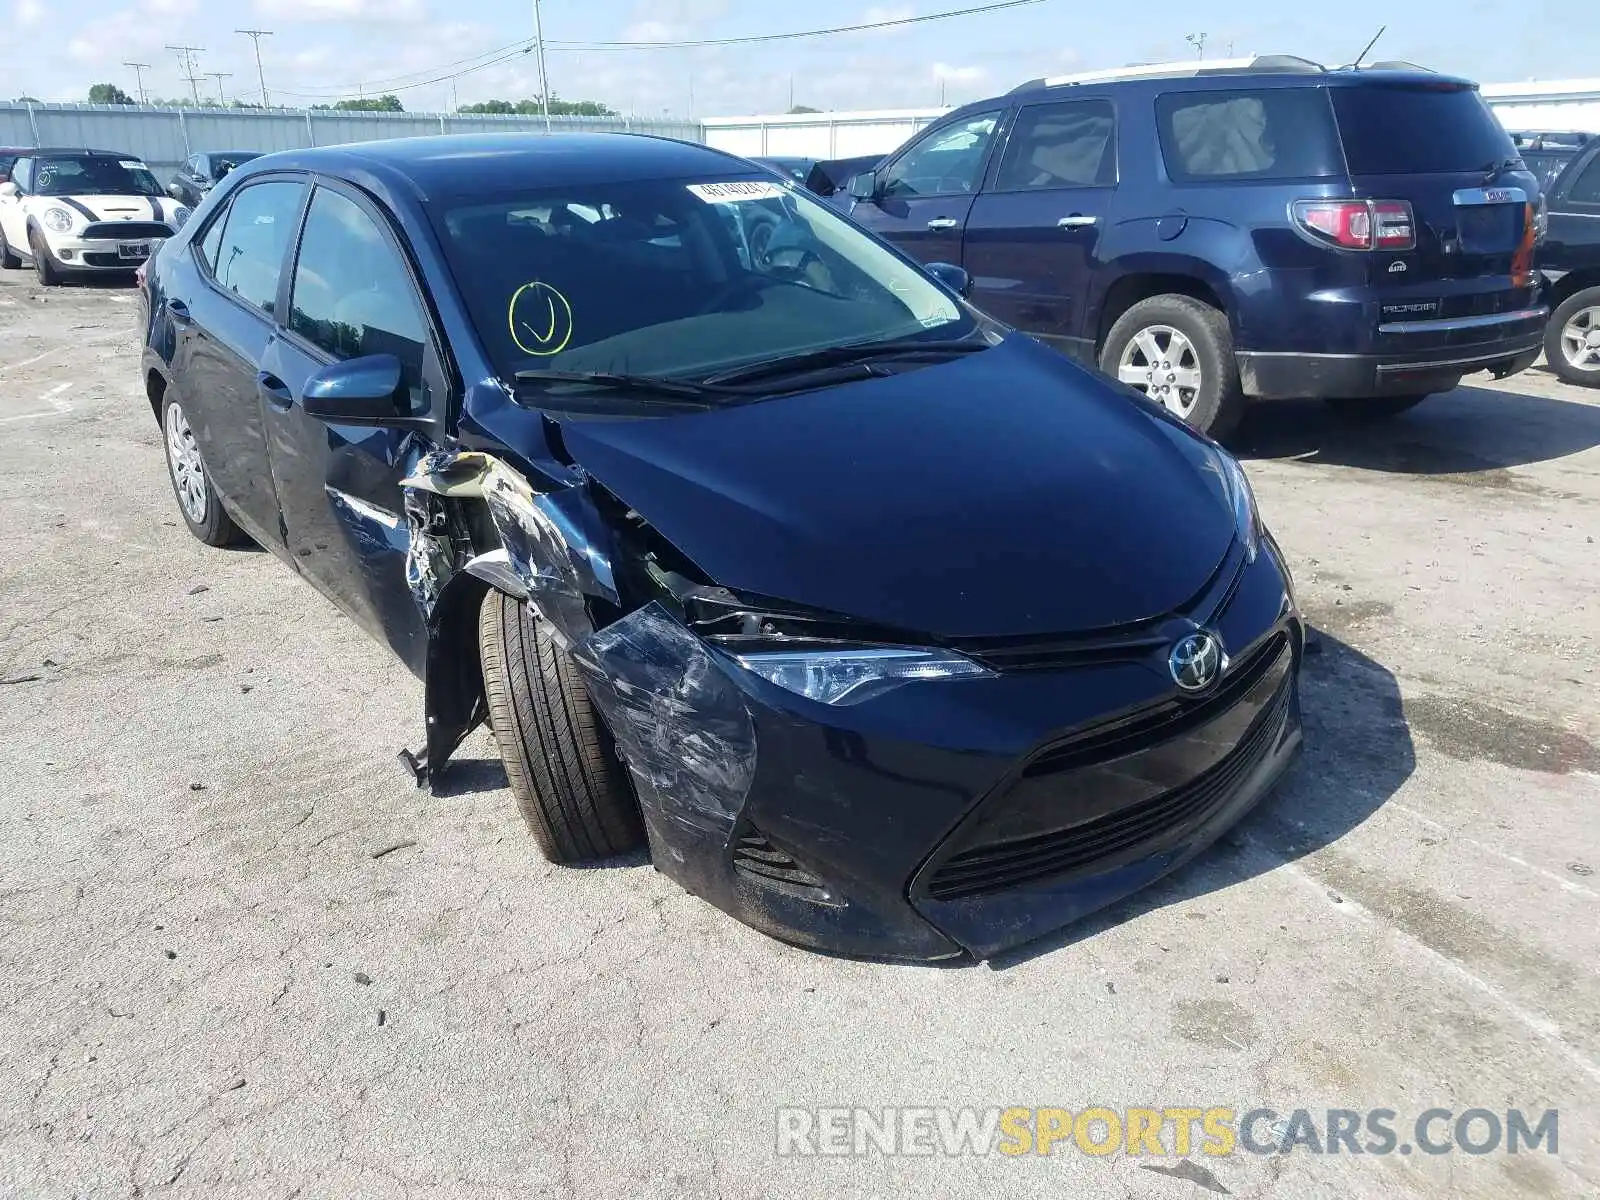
{"points": [[209, 984]]}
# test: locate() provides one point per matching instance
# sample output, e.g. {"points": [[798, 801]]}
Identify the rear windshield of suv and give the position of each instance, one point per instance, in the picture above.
{"points": [[1418, 129], [1264, 134]]}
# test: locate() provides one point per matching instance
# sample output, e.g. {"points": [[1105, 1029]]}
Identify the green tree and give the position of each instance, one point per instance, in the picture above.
{"points": [[800, 109], [532, 108], [501, 107], [384, 103], [108, 93]]}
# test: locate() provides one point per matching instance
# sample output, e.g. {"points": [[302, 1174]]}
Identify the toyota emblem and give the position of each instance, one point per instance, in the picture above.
{"points": [[1197, 661]]}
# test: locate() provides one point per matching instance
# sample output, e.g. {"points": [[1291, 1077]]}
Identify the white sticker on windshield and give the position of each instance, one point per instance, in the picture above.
{"points": [[131, 164], [721, 193]]}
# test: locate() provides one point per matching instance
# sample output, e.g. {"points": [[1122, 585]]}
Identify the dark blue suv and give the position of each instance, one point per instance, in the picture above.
{"points": [[1243, 231]]}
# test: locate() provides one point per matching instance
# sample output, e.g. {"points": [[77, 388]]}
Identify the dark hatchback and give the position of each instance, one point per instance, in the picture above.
{"points": [[893, 633], [1218, 234], [202, 172]]}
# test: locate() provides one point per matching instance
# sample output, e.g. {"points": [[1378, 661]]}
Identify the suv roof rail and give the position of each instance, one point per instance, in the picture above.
{"points": [[1179, 70], [1397, 64]]}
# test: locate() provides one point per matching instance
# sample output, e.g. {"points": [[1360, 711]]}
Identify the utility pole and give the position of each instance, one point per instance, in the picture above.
{"points": [[186, 67], [138, 73], [255, 35], [219, 76], [1198, 41], [544, 77]]}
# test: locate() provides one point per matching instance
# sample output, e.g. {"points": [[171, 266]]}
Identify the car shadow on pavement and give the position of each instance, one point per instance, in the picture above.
{"points": [[1462, 432], [1358, 751]]}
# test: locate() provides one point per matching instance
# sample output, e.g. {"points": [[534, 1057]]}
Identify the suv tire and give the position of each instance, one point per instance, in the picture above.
{"points": [[1375, 408], [560, 761], [8, 257], [1581, 310], [1206, 345]]}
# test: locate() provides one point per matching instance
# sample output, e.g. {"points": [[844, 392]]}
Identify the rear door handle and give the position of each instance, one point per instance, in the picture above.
{"points": [[1077, 221], [274, 391], [943, 223]]}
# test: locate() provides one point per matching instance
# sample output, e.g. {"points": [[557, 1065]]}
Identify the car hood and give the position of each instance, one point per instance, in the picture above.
{"points": [[1006, 492], [112, 208]]}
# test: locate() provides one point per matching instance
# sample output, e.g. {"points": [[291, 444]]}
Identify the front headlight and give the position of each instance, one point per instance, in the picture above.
{"points": [[1246, 517], [58, 219], [851, 676]]}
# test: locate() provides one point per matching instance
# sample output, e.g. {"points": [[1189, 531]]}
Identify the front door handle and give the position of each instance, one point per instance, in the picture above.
{"points": [[1077, 221], [943, 223], [274, 391], [179, 312]]}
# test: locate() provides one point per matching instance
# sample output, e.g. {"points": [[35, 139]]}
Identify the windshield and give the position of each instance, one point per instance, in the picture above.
{"points": [[681, 278], [1547, 165], [93, 175], [1418, 129]]}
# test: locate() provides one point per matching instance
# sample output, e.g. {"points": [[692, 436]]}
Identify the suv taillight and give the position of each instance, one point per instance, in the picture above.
{"points": [[1358, 224]]}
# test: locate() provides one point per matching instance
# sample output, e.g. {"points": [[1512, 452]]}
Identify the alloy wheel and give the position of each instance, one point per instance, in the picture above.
{"points": [[183, 457], [1161, 362], [1580, 339]]}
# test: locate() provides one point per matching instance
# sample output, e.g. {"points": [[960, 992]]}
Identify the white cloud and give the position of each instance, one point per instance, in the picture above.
{"points": [[962, 75], [28, 13], [653, 31], [884, 12], [389, 11]]}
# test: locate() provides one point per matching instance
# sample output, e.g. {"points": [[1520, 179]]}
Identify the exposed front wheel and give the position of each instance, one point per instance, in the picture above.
{"points": [[45, 267], [8, 257], [197, 500], [1179, 352], [560, 761], [1572, 338], [1375, 408]]}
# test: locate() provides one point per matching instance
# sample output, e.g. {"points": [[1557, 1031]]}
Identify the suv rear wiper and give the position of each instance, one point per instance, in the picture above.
{"points": [[680, 390], [830, 356]]}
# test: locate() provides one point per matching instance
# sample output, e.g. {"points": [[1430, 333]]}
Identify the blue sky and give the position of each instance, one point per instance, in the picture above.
{"points": [[319, 46]]}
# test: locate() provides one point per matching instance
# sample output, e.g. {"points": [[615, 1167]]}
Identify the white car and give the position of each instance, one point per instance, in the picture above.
{"points": [[83, 210]]}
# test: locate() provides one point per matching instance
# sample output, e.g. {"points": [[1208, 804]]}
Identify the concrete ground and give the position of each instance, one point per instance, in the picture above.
{"points": [[241, 955]]}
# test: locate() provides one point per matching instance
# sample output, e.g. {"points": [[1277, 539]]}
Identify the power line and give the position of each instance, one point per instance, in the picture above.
{"points": [[186, 64], [516, 49], [255, 36], [219, 76], [138, 74]]}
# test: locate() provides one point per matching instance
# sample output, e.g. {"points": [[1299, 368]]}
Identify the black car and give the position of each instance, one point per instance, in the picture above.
{"points": [[1213, 234], [1569, 257], [1546, 155], [789, 168], [893, 633], [202, 172]]}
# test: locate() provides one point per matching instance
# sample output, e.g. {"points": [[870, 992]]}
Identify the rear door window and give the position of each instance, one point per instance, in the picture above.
{"points": [[1060, 146], [260, 222], [1418, 129], [1270, 133], [1584, 191]]}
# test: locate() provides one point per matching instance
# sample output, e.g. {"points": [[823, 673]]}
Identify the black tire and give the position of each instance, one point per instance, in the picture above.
{"points": [[1219, 401], [45, 266], [208, 521], [560, 761], [1375, 408], [9, 260], [1555, 353]]}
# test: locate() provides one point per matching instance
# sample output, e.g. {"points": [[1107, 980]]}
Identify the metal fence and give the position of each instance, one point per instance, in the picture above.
{"points": [[818, 135], [164, 137]]}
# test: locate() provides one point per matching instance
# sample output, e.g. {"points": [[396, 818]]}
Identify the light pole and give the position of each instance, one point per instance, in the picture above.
{"points": [[1198, 41], [544, 77], [219, 76], [138, 74], [255, 35]]}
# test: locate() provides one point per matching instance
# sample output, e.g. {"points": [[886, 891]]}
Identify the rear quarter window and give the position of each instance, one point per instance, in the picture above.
{"points": [[1418, 129], [1264, 134]]}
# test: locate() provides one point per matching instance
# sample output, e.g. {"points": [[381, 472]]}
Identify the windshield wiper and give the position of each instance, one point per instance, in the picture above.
{"points": [[849, 354], [680, 390]]}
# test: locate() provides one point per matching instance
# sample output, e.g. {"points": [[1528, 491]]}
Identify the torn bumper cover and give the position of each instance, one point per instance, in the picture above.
{"points": [[940, 818]]}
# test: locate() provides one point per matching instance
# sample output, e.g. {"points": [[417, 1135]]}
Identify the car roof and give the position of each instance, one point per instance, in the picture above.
{"points": [[42, 151], [1270, 71], [452, 165]]}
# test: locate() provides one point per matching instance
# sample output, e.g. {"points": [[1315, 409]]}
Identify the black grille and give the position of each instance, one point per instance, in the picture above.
{"points": [[126, 231], [1152, 726], [1126, 834], [757, 858], [97, 259]]}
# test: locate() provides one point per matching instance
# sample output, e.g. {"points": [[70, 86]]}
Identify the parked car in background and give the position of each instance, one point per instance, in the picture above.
{"points": [[887, 629], [83, 212], [1547, 154], [832, 175], [1569, 258], [790, 168], [202, 172], [1212, 234]]}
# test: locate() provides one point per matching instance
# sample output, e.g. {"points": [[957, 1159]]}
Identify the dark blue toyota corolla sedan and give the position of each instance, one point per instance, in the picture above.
{"points": [[891, 631]]}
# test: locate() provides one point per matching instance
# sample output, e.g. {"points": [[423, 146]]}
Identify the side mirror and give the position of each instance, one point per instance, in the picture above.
{"points": [[864, 186], [359, 391], [957, 279], [8, 188]]}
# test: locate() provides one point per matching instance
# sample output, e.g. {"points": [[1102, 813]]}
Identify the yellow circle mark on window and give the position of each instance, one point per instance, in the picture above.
{"points": [[541, 319]]}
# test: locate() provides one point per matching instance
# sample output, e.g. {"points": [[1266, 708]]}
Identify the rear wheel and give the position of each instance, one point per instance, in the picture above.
{"points": [[8, 257], [197, 500], [1572, 338], [1179, 352], [560, 761], [45, 266], [1375, 408]]}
